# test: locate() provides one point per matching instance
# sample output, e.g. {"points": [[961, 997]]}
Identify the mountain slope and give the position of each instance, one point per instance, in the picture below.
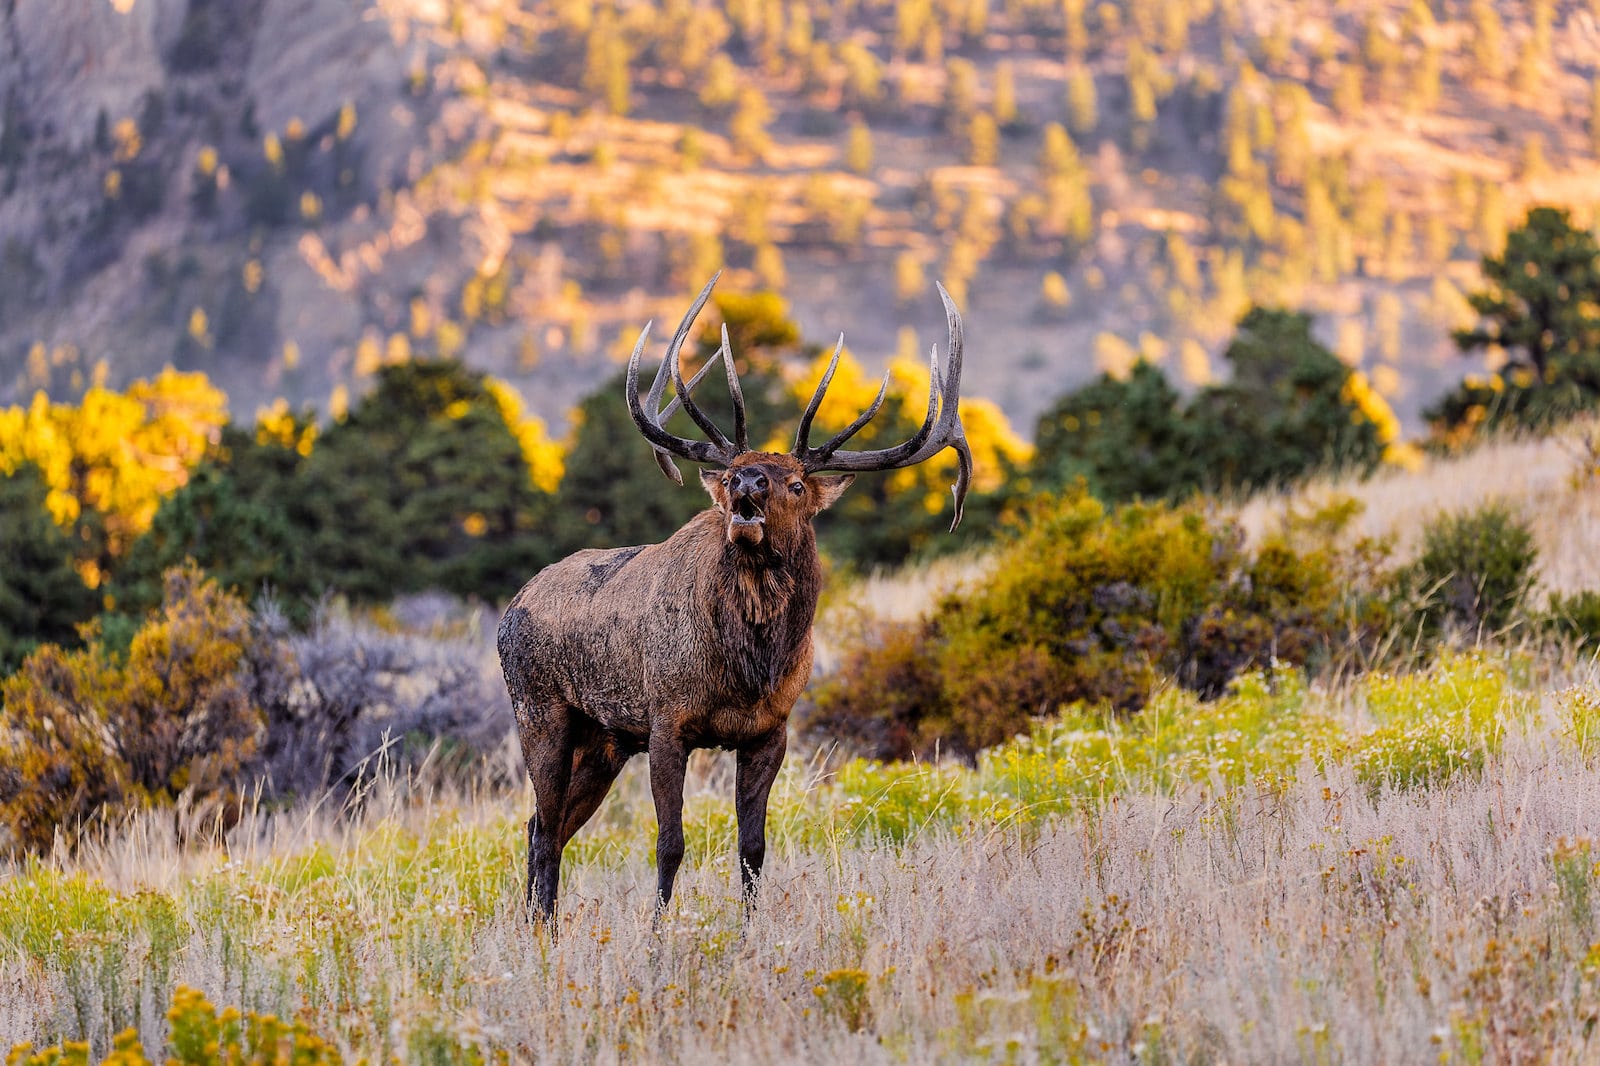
{"points": [[286, 193]]}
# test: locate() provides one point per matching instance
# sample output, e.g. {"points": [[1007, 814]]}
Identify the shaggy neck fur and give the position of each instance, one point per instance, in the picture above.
{"points": [[762, 601], [763, 581]]}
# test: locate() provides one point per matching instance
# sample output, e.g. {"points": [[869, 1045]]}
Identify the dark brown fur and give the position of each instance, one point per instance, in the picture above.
{"points": [[703, 640]]}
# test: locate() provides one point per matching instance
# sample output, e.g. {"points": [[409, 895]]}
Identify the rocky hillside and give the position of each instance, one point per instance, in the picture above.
{"points": [[288, 193]]}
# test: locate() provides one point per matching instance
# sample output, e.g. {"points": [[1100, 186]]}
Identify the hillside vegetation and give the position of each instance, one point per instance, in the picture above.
{"points": [[291, 195]]}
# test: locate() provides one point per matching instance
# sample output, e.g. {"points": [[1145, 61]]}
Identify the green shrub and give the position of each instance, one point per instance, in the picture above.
{"points": [[1473, 574], [1100, 608], [88, 733], [1575, 618]]}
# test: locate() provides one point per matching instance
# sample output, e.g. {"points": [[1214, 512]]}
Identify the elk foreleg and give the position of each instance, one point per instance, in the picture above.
{"points": [[669, 758], [547, 751], [758, 768]]}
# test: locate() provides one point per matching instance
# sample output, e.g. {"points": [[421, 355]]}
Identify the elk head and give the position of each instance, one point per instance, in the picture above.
{"points": [[767, 496]]}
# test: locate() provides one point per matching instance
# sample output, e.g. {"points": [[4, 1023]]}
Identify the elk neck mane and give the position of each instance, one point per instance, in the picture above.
{"points": [[761, 600]]}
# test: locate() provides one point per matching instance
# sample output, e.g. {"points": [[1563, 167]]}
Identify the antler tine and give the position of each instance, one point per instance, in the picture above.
{"points": [[837, 441], [663, 457], [708, 427], [741, 437], [937, 432], [694, 450], [802, 437], [881, 458]]}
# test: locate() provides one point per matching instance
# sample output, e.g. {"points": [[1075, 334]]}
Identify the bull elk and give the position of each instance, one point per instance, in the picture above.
{"points": [[703, 640]]}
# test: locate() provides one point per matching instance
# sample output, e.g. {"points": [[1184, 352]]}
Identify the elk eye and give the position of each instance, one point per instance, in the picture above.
{"points": [[798, 488]]}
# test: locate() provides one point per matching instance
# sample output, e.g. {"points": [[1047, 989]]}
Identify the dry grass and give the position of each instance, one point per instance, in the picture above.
{"points": [[901, 595], [1314, 923], [1551, 481]]}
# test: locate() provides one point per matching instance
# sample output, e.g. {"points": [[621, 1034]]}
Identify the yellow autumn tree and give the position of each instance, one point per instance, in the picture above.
{"points": [[115, 455]]}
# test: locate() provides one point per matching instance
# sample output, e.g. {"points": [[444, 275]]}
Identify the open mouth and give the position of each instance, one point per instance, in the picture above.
{"points": [[747, 512]]}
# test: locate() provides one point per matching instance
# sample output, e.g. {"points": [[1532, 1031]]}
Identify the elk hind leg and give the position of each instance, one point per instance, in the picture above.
{"points": [[596, 762], [547, 751]]}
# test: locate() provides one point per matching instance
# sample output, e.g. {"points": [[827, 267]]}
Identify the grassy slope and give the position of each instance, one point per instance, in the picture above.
{"points": [[917, 916]]}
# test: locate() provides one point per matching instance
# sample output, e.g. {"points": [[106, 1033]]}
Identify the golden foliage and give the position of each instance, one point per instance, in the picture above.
{"points": [[276, 424], [87, 733], [1368, 404], [544, 456], [116, 453]]}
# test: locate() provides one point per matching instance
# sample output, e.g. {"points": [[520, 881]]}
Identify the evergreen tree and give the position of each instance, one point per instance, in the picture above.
{"points": [[1542, 303], [1287, 409], [983, 140], [1488, 42], [858, 152], [42, 599], [1083, 107], [1124, 438], [232, 519], [1540, 308], [1290, 407], [423, 486], [960, 94], [1005, 94]]}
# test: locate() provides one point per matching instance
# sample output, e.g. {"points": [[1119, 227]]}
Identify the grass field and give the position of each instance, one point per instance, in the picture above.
{"points": [[1405, 869]]}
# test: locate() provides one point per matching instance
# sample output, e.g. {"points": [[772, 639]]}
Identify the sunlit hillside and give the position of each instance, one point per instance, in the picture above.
{"points": [[289, 195]]}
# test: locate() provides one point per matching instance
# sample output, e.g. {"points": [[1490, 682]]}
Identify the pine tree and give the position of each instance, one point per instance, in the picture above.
{"points": [[1005, 94], [1075, 33], [1488, 43], [1424, 92], [1082, 102], [42, 599], [1542, 303], [960, 94], [1348, 94], [983, 140], [1058, 156], [605, 67], [1532, 165], [748, 126], [858, 152], [423, 485]]}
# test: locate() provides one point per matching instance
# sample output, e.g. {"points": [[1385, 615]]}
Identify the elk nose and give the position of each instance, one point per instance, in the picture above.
{"points": [[749, 481]]}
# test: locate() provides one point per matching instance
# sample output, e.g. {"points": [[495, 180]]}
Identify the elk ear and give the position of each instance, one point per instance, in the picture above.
{"points": [[830, 487], [712, 480]]}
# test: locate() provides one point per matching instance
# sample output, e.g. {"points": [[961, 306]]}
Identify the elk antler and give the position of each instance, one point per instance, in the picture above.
{"points": [[650, 416], [941, 428]]}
